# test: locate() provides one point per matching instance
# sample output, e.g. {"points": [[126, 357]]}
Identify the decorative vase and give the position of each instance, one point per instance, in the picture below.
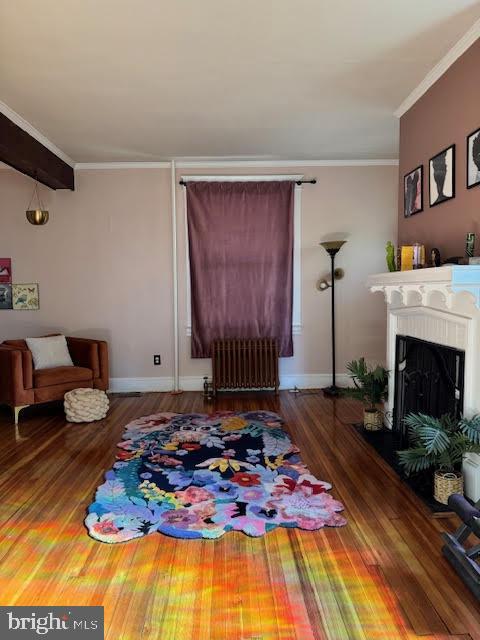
{"points": [[444, 484], [372, 420]]}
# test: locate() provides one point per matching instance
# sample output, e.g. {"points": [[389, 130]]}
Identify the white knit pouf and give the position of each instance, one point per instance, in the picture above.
{"points": [[85, 405]]}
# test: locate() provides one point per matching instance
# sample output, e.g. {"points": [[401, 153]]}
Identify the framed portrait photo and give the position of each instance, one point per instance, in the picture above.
{"points": [[25, 296], [413, 192], [473, 159], [442, 176], [5, 296], [5, 270]]}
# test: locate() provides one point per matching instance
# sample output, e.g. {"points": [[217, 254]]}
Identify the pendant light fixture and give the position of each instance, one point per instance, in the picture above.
{"points": [[39, 215]]}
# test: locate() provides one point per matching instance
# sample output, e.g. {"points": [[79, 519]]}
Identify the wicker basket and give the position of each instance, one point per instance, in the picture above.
{"points": [[373, 420], [445, 484]]}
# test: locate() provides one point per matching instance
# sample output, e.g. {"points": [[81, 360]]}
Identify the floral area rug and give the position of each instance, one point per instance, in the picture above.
{"points": [[199, 476]]}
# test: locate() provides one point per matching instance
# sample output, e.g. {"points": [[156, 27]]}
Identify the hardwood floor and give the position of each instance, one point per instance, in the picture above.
{"points": [[380, 577]]}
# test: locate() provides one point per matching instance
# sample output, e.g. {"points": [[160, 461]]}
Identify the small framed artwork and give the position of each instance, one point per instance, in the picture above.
{"points": [[442, 176], [473, 159], [5, 270], [413, 192], [25, 296], [5, 296]]}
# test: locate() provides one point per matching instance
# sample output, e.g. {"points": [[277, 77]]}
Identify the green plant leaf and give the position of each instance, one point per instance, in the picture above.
{"points": [[353, 392], [426, 431], [415, 420], [448, 460], [415, 459], [370, 384], [434, 440], [449, 424], [473, 448], [439, 442], [471, 428]]}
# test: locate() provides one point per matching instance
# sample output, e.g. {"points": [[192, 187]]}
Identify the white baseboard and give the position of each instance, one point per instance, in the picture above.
{"points": [[312, 380], [118, 385], [195, 383]]}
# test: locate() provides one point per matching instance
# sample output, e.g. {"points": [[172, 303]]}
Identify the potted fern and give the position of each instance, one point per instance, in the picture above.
{"points": [[441, 444], [370, 387]]}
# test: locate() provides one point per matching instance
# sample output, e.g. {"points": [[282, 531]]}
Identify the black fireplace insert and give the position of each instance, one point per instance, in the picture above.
{"points": [[428, 379]]}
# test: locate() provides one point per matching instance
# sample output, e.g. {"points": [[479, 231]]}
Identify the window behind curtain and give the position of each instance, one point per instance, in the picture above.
{"points": [[241, 262]]}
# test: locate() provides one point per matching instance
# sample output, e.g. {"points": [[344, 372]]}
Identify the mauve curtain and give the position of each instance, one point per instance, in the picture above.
{"points": [[241, 262]]}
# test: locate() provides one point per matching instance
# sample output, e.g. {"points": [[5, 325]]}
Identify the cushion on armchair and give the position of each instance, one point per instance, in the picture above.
{"points": [[49, 352], [61, 375]]}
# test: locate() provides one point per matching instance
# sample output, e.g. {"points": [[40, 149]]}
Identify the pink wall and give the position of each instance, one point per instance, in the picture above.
{"points": [[104, 264], [446, 114]]}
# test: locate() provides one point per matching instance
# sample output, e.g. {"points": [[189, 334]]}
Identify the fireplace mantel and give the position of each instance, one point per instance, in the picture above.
{"points": [[447, 280], [440, 305]]}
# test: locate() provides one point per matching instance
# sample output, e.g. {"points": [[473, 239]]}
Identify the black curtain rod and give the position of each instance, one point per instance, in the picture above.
{"points": [[312, 181]]}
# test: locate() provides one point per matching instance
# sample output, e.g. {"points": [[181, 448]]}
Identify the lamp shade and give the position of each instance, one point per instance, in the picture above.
{"points": [[333, 246], [37, 216]]}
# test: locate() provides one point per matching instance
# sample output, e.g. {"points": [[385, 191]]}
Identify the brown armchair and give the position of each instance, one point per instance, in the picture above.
{"points": [[21, 385]]}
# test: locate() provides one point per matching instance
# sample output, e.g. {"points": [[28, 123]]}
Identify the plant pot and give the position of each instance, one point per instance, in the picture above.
{"points": [[372, 420], [444, 484]]}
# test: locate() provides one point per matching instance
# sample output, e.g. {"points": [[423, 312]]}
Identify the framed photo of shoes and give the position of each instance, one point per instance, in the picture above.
{"points": [[413, 192], [442, 176], [473, 159]]}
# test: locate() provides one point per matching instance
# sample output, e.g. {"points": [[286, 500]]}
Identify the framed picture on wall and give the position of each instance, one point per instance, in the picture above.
{"points": [[5, 270], [413, 192], [25, 296], [473, 159], [442, 176], [5, 296]]}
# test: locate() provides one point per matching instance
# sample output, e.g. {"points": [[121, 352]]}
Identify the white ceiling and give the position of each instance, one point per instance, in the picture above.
{"points": [[147, 80]]}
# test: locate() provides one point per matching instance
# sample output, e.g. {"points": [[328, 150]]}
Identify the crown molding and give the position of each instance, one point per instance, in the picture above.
{"points": [[440, 68], [233, 164], [83, 166], [219, 164], [26, 126], [227, 164]]}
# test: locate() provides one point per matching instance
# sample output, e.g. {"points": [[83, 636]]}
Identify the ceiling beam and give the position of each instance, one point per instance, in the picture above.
{"points": [[23, 152]]}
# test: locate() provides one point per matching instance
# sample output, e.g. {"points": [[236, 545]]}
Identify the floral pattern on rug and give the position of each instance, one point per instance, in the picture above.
{"points": [[199, 476]]}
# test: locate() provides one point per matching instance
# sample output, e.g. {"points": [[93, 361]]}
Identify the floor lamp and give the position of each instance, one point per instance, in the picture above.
{"points": [[332, 248]]}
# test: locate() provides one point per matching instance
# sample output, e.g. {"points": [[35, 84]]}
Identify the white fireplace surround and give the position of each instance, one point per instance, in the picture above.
{"points": [[439, 305]]}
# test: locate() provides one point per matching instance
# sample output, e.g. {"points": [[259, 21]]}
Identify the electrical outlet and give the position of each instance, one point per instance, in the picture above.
{"points": [[157, 360]]}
